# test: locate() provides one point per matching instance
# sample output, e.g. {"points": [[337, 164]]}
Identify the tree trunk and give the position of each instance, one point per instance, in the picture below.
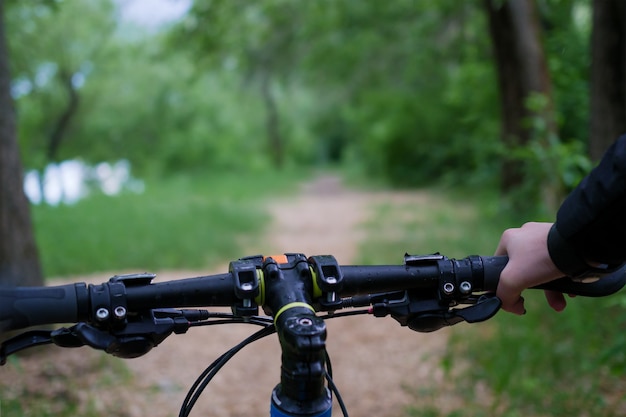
{"points": [[522, 70], [19, 259], [276, 147], [608, 75], [63, 122]]}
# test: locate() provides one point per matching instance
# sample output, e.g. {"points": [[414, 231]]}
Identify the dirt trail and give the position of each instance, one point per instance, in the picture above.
{"points": [[374, 360]]}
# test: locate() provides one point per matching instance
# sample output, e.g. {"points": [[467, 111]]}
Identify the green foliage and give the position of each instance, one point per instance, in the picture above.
{"points": [[137, 99], [51, 48], [403, 90], [553, 163], [178, 222], [613, 355], [411, 113], [551, 167], [173, 121], [523, 359], [566, 42]]}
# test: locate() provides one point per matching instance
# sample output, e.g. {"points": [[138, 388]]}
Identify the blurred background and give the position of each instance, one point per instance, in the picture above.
{"points": [[153, 134]]}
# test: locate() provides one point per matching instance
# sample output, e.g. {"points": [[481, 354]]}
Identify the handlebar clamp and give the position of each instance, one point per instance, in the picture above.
{"points": [[329, 279], [246, 281], [108, 304]]}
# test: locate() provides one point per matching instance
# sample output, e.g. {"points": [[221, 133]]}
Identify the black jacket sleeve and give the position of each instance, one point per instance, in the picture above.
{"points": [[591, 223]]}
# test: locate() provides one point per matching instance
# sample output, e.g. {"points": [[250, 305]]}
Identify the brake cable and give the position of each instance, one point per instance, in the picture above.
{"points": [[207, 375], [203, 380]]}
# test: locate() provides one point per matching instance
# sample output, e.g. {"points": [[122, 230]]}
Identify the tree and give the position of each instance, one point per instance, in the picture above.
{"points": [[256, 38], [19, 258], [522, 72], [412, 80], [61, 56], [608, 75]]}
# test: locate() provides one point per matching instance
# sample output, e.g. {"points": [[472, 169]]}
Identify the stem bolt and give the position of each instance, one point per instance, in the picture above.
{"points": [[305, 321]]}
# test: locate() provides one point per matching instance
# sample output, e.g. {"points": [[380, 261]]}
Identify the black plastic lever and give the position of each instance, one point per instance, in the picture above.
{"points": [[429, 314], [23, 341]]}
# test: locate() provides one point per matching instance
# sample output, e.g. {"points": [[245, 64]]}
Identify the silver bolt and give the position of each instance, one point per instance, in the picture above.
{"points": [[246, 286], [304, 321], [120, 312], [466, 287], [448, 288], [331, 296], [102, 314]]}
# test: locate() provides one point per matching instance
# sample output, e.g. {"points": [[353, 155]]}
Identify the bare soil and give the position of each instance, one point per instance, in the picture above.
{"points": [[379, 367]]}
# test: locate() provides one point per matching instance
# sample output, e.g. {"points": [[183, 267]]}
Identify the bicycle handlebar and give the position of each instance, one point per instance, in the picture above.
{"points": [[23, 307], [129, 314]]}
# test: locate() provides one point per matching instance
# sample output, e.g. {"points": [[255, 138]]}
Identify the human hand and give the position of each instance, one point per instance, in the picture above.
{"points": [[529, 265]]}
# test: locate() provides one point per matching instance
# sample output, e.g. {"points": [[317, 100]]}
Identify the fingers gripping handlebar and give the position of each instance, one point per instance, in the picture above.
{"points": [[607, 285]]}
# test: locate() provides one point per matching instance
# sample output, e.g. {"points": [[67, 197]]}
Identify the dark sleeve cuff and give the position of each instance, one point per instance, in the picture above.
{"points": [[569, 261], [565, 256]]}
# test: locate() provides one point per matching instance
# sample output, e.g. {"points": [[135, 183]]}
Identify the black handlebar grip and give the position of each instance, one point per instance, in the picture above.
{"points": [[607, 285], [22, 307], [492, 267]]}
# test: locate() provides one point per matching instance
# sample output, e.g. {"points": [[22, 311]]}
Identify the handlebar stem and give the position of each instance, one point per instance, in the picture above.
{"points": [[302, 335]]}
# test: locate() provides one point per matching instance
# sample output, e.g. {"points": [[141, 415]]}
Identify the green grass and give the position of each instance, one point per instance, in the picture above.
{"points": [[547, 363], [178, 222], [54, 389], [432, 220]]}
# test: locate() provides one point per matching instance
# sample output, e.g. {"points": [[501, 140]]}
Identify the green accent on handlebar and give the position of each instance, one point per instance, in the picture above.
{"points": [[317, 291], [260, 299], [290, 306]]}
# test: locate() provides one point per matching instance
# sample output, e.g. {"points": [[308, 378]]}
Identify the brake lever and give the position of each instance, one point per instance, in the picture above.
{"points": [[83, 334], [135, 339], [429, 314], [485, 308], [23, 341], [61, 337]]}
